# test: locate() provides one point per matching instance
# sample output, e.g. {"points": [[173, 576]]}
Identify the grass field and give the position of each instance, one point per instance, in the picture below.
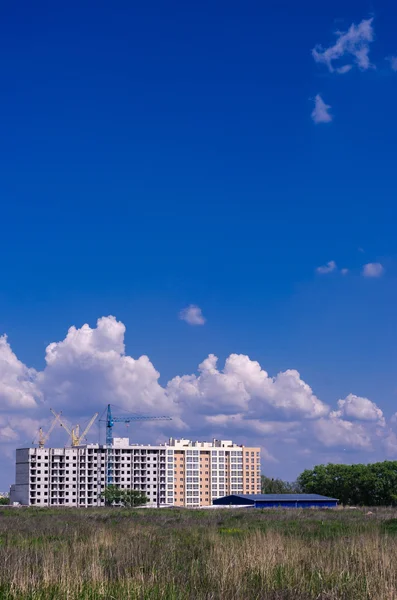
{"points": [[182, 555]]}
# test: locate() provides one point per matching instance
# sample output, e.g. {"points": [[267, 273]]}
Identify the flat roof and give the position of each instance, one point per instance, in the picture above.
{"points": [[282, 497]]}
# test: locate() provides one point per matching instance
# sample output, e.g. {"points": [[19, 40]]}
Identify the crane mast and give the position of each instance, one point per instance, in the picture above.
{"points": [[110, 421]]}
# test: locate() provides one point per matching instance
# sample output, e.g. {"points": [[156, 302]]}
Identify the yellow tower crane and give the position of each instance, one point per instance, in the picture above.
{"points": [[43, 437], [74, 432]]}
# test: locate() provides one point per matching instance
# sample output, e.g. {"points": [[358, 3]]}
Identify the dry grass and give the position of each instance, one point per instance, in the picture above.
{"points": [[197, 555]]}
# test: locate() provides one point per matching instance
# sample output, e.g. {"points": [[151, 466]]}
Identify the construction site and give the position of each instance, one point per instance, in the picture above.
{"points": [[177, 473]]}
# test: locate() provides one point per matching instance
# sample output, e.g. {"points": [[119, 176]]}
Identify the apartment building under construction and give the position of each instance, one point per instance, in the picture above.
{"points": [[179, 473]]}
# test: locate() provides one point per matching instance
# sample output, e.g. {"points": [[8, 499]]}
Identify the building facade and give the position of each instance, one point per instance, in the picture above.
{"points": [[180, 473]]}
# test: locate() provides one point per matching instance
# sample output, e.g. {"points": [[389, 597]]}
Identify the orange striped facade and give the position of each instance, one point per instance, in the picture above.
{"points": [[204, 471]]}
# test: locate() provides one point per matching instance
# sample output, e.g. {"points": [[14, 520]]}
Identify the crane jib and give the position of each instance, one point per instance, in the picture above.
{"points": [[111, 420]]}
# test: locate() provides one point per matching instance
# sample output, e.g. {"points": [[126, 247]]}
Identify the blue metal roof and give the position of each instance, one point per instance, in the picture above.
{"points": [[284, 497]]}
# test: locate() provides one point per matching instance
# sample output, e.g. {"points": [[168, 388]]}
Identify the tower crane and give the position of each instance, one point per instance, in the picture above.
{"points": [[74, 432], [43, 437], [77, 438], [111, 420]]}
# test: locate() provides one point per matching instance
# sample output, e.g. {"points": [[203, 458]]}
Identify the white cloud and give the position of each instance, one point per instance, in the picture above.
{"points": [[89, 368], [244, 386], [239, 422], [373, 270], [328, 268], [358, 408], [393, 62], [321, 110], [345, 69], [352, 44], [192, 315], [390, 445], [18, 388], [241, 401], [344, 271], [338, 433]]}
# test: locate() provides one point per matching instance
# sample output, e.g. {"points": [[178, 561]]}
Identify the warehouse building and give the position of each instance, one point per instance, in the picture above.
{"points": [[277, 501], [179, 473]]}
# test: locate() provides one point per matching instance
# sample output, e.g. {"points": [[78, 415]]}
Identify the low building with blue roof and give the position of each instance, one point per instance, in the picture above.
{"points": [[277, 501]]}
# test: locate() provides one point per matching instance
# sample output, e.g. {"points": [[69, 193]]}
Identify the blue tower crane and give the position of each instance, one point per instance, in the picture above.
{"points": [[111, 420]]}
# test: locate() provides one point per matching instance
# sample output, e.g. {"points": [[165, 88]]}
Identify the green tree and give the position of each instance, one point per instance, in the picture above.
{"points": [[4, 500], [368, 485], [277, 486], [115, 495]]}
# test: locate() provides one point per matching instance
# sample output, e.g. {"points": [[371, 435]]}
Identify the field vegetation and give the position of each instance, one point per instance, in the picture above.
{"points": [[172, 554]]}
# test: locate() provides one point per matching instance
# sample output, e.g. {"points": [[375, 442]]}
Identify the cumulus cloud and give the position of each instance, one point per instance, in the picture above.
{"points": [[390, 445], [90, 368], [353, 45], [18, 389], [358, 408], [321, 110], [373, 270], [192, 315], [339, 433], [328, 268], [243, 385]]}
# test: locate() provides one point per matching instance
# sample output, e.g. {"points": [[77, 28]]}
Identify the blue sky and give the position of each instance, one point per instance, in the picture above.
{"points": [[159, 155]]}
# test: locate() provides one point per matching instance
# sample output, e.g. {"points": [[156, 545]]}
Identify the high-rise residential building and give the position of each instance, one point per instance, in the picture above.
{"points": [[179, 473]]}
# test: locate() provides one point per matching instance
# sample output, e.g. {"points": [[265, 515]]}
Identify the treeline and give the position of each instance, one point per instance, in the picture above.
{"points": [[366, 485], [278, 486]]}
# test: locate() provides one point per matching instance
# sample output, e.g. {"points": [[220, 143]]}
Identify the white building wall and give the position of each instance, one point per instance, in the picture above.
{"points": [[76, 477]]}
